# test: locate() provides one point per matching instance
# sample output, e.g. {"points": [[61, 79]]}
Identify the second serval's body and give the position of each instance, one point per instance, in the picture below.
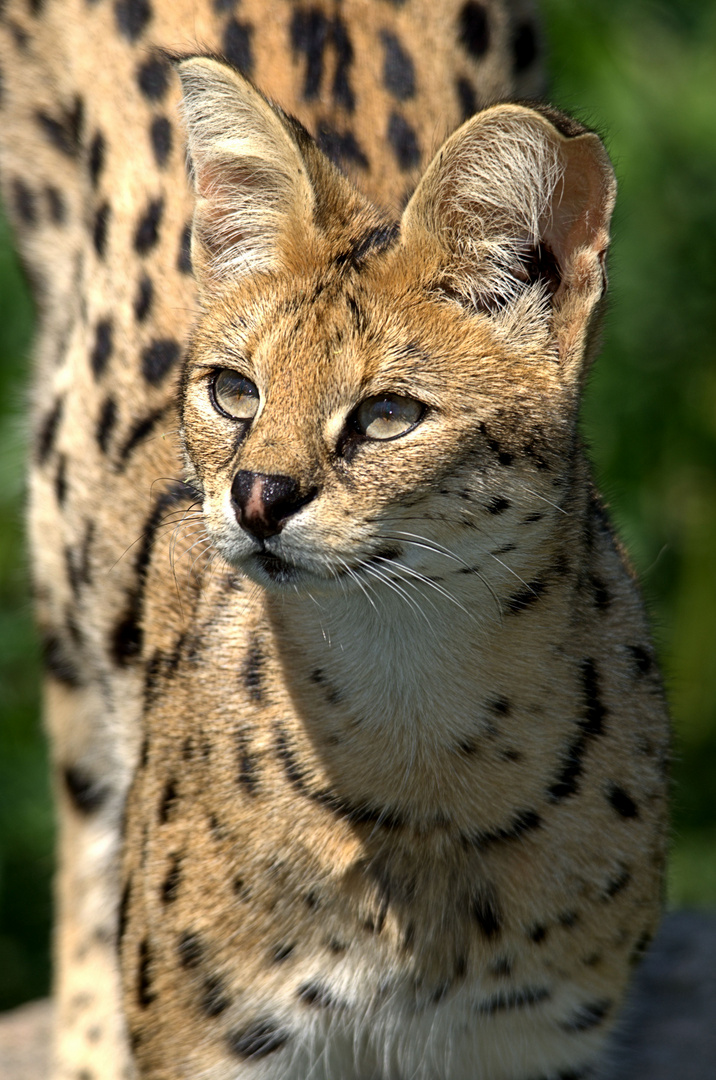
{"points": [[385, 696]]}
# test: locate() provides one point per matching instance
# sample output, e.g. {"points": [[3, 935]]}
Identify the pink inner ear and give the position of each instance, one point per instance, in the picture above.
{"points": [[581, 205]]}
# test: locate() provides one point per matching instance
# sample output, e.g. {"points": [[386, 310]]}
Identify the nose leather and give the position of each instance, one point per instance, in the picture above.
{"points": [[263, 502]]}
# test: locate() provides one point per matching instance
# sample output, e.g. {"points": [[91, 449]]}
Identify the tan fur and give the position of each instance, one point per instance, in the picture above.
{"points": [[398, 799]]}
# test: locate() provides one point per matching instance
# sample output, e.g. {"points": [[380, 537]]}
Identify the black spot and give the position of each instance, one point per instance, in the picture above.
{"points": [[281, 952], [58, 663], [190, 950], [145, 995], [524, 822], [503, 456], [537, 933], [622, 802], [48, 431], [252, 672], [123, 911], [467, 98], [132, 17], [568, 919], [342, 148], [214, 999], [500, 705], [486, 914], [474, 29], [106, 423], [184, 258], [61, 479], [86, 794], [398, 70], [99, 229], [248, 770], [638, 952], [403, 141], [313, 993], [587, 1016], [513, 999], [521, 600], [601, 594], [147, 232], [102, 348], [342, 91], [24, 201], [160, 134], [64, 131], [309, 34], [126, 642], [498, 505], [236, 46], [617, 884], [379, 239], [170, 886], [168, 801], [524, 46], [56, 205], [143, 299], [642, 659], [96, 158], [139, 432], [158, 358], [594, 710], [153, 78], [257, 1040]]}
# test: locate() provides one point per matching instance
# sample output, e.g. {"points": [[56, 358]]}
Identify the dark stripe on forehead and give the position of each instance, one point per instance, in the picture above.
{"points": [[377, 240]]}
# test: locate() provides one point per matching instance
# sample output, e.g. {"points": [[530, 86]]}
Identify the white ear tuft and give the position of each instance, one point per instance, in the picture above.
{"points": [[249, 176]]}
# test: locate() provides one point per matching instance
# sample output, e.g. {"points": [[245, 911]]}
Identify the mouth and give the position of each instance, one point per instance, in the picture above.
{"points": [[278, 571]]}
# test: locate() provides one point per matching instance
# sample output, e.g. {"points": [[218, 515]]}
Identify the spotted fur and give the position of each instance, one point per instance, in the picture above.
{"points": [[373, 786]]}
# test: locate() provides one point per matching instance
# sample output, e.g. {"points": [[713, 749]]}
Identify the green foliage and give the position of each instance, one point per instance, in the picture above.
{"points": [[642, 74]]}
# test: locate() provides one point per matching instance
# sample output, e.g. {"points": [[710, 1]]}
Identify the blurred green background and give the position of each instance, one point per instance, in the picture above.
{"points": [[644, 74]]}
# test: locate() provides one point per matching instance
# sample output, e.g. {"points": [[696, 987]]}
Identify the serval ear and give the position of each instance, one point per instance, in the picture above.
{"points": [[250, 176], [516, 209]]}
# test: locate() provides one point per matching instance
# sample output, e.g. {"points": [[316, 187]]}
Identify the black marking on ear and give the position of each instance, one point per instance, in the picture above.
{"points": [[523, 599], [622, 802], [587, 1016], [168, 801], [106, 423], [153, 78], [312, 993], [340, 147], [214, 1000], [65, 130], [486, 913], [147, 233], [257, 1040], [102, 347], [617, 884], [160, 135], [236, 46], [172, 881], [145, 994], [403, 141], [138, 433], [132, 17], [474, 29], [56, 204], [24, 200], [100, 228], [190, 950], [96, 158], [376, 241], [48, 431], [86, 794], [524, 46], [58, 663], [252, 672], [467, 97], [184, 258], [143, 299], [158, 359], [398, 68], [524, 998]]}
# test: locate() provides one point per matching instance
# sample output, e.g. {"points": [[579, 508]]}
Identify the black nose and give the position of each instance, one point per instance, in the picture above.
{"points": [[263, 502]]}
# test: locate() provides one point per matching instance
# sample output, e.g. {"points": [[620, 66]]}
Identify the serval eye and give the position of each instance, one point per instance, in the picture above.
{"points": [[234, 395], [387, 416]]}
